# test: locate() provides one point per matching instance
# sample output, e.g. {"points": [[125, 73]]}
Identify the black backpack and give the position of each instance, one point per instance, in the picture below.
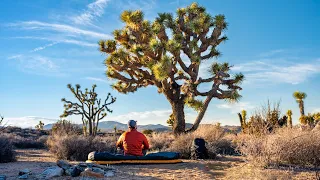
{"points": [[199, 149]]}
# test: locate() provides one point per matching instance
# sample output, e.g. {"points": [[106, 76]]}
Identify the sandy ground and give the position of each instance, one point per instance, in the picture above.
{"points": [[223, 168]]}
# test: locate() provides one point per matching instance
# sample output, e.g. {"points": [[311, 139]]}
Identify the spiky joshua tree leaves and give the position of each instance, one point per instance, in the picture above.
{"points": [[167, 53], [89, 106]]}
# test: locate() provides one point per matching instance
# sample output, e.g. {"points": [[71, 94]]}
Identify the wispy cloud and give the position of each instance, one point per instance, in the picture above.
{"points": [[36, 64], [95, 9], [43, 47], [316, 110], [236, 107], [60, 40], [15, 56], [291, 73], [63, 28], [98, 79], [272, 53]]}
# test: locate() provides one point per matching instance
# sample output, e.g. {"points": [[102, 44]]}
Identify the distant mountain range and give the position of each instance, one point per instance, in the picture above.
{"points": [[109, 125]]}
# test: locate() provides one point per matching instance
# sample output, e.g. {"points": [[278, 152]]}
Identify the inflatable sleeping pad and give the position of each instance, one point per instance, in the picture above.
{"points": [[152, 158]]}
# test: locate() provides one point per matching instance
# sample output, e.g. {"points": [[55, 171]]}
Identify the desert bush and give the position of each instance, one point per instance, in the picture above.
{"points": [[25, 143], [160, 141], [214, 135], [64, 127], [77, 148], [264, 120], [28, 143], [285, 146], [7, 153], [147, 131]]}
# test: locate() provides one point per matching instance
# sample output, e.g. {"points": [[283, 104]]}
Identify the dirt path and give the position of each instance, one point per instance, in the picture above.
{"points": [[223, 168]]}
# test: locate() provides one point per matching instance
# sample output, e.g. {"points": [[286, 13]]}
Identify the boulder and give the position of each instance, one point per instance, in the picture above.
{"points": [[89, 173], [64, 164], [24, 176], [51, 172], [25, 171], [109, 174], [74, 171], [98, 170]]}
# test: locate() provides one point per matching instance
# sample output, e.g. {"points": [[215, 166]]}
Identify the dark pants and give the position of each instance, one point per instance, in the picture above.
{"points": [[121, 151]]}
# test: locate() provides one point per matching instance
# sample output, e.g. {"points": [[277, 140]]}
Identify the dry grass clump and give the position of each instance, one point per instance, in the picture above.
{"points": [[20, 142], [7, 153], [66, 142], [77, 148], [160, 141], [284, 146], [214, 135]]}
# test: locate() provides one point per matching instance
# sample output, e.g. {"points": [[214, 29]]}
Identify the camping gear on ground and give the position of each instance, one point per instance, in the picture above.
{"points": [[151, 158], [199, 149]]}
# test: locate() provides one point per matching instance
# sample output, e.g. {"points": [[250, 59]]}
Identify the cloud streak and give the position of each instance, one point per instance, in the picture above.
{"points": [[43, 47], [98, 79], [60, 40], [69, 30], [290, 73], [95, 9]]}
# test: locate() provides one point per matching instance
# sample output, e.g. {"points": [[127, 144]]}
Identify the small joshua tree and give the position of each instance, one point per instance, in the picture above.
{"points": [[39, 126], [91, 109], [1, 120], [289, 114], [167, 53], [243, 119], [300, 96]]}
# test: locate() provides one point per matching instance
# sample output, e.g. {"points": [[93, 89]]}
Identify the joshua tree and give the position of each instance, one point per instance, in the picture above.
{"points": [[243, 119], [39, 126], [167, 53], [300, 96], [1, 119], [289, 114], [170, 121], [88, 106]]}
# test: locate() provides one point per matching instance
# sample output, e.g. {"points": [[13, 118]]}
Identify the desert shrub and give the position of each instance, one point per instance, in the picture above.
{"points": [[212, 134], [25, 143], [77, 148], [264, 120], [25, 132], [182, 144], [28, 143], [7, 153], [64, 127], [160, 141], [285, 146], [147, 131]]}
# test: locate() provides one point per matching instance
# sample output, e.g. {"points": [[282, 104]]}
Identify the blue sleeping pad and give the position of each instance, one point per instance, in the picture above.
{"points": [[105, 156]]}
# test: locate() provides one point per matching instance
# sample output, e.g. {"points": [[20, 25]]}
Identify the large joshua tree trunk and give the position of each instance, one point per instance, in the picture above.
{"points": [[179, 124]]}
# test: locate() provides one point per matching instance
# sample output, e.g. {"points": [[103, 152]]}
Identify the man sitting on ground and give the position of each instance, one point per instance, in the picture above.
{"points": [[132, 141]]}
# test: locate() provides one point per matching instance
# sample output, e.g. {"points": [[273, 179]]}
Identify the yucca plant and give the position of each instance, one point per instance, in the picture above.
{"points": [[300, 96], [167, 53], [289, 114]]}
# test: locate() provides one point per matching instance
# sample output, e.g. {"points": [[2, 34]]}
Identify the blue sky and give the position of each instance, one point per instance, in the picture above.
{"points": [[47, 44]]}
